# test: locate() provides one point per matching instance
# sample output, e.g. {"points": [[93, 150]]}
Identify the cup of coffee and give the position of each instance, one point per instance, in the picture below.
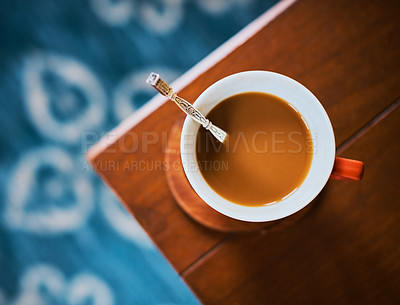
{"points": [[280, 151]]}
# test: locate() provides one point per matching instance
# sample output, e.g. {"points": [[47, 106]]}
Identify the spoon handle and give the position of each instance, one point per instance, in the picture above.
{"points": [[161, 86]]}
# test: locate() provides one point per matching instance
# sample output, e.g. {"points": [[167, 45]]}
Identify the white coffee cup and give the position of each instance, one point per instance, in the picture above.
{"points": [[310, 109]]}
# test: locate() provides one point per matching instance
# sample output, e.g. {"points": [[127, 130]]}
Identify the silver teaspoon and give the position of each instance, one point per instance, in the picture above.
{"points": [[155, 81]]}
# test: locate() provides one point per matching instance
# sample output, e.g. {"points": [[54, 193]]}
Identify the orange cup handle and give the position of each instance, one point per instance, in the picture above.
{"points": [[347, 169]]}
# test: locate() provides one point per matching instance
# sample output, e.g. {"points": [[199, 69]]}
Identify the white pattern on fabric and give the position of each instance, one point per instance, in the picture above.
{"points": [[113, 12], [161, 17], [163, 20], [217, 7], [47, 193], [71, 88], [45, 285]]}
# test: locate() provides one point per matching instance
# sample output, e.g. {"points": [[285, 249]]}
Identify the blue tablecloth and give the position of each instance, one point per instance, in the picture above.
{"points": [[70, 71]]}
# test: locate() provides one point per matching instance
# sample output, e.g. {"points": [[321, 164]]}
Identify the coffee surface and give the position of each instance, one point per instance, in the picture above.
{"points": [[268, 153]]}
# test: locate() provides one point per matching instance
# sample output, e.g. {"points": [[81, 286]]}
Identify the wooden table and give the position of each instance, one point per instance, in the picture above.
{"points": [[346, 249]]}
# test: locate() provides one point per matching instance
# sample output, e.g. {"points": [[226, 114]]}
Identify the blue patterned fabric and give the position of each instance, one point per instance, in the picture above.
{"points": [[69, 69]]}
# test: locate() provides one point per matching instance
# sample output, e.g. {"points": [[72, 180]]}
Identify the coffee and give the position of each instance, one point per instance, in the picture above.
{"points": [[268, 153]]}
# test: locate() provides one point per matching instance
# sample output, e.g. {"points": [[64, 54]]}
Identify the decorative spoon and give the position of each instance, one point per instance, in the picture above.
{"points": [[161, 86]]}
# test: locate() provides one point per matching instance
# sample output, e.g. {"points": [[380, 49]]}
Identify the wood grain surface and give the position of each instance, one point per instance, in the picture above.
{"points": [[346, 249]]}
